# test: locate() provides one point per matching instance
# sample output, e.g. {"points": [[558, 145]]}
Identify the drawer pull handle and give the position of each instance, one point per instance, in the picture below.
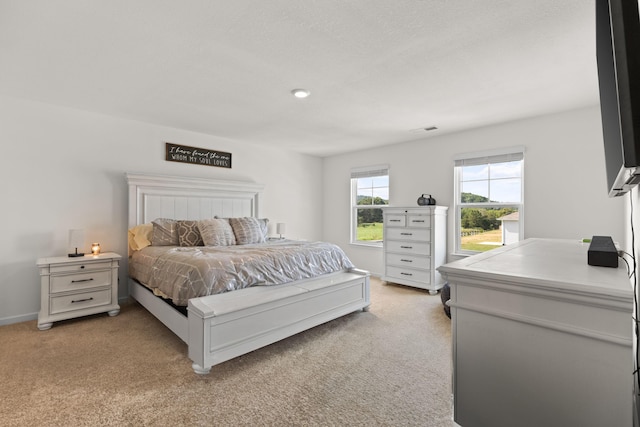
{"points": [[418, 220], [83, 280], [394, 220], [81, 300], [406, 247], [81, 267], [406, 274], [406, 234], [406, 260]]}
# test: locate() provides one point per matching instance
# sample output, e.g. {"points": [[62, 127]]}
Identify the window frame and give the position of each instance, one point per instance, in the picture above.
{"points": [[491, 157], [365, 172]]}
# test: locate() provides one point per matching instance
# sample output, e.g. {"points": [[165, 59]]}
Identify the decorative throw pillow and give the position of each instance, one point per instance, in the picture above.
{"points": [[189, 234], [165, 232], [249, 230], [216, 232], [139, 237]]}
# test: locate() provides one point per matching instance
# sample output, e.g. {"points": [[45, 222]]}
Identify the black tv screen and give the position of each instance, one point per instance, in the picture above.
{"points": [[618, 58]]}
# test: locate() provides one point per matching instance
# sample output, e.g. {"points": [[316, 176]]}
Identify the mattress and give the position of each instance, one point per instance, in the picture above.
{"points": [[182, 273]]}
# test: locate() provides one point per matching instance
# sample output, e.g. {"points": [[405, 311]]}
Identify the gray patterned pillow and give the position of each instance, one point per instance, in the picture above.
{"points": [[249, 230], [189, 234], [216, 232], [165, 232]]}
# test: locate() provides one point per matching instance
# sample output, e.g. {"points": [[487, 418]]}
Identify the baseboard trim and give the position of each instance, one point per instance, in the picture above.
{"points": [[34, 316], [18, 319]]}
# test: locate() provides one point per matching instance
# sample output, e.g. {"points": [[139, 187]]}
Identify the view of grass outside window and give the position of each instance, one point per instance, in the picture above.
{"points": [[369, 226], [369, 192], [481, 228], [488, 201]]}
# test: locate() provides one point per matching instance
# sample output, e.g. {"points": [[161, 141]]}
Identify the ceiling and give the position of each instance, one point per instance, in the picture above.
{"points": [[379, 71]]}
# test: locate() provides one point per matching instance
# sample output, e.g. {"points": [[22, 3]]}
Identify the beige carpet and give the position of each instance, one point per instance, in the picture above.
{"points": [[386, 367]]}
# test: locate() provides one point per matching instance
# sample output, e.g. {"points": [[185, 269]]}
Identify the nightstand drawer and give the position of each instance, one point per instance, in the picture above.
{"points": [[409, 261], [65, 303], [85, 280], [77, 286], [81, 266], [423, 276]]}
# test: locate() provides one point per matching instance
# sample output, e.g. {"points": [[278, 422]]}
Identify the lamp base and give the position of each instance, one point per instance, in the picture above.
{"points": [[75, 255]]}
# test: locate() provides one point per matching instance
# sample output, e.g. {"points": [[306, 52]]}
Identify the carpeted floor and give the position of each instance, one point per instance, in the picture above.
{"points": [[386, 367]]}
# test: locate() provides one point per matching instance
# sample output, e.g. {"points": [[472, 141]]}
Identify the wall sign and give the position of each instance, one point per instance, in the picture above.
{"points": [[197, 156]]}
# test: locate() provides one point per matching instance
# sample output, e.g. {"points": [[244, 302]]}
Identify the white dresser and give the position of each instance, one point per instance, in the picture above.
{"points": [[74, 287], [415, 242], [541, 338]]}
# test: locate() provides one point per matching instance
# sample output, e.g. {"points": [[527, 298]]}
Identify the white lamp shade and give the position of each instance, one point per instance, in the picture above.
{"points": [[76, 240], [281, 228]]}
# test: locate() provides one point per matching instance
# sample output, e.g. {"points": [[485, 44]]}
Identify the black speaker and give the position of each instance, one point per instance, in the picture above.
{"points": [[602, 252], [426, 201]]}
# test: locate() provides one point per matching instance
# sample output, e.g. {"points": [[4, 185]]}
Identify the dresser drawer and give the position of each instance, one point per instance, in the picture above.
{"points": [[394, 220], [65, 303], [423, 276], [419, 221], [413, 248], [84, 280], [72, 268], [412, 261], [423, 235]]}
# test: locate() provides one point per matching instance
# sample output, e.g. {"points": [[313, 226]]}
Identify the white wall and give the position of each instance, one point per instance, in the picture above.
{"points": [[565, 184], [62, 168]]}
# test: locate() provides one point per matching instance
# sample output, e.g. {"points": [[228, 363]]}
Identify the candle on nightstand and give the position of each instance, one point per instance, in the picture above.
{"points": [[95, 248]]}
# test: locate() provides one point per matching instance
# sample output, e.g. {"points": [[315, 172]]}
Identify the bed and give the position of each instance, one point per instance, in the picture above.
{"points": [[248, 309]]}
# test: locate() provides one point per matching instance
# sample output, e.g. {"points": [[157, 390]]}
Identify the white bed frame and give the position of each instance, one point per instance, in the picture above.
{"points": [[221, 327]]}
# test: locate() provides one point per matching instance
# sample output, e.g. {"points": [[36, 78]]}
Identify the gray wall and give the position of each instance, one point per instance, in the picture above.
{"points": [[62, 168], [565, 184]]}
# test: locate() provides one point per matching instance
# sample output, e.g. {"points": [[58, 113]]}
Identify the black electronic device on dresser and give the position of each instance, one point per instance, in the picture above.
{"points": [[426, 201]]}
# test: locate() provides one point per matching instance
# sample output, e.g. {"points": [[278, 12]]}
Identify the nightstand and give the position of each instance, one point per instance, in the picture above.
{"points": [[74, 287]]}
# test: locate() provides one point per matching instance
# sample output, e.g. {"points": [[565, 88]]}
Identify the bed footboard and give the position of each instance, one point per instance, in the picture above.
{"points": [[228, 325]]}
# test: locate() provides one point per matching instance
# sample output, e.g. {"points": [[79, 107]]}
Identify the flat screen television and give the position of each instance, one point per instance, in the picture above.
{"points": [[618, 59]]}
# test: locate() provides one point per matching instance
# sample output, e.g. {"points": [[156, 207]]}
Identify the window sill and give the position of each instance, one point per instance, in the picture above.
{"points": [[461, 255], [456, 256], [367, 245]]}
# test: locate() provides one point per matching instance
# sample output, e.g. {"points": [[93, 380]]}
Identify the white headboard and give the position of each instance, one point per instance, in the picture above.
{"points": [[157, 196]]}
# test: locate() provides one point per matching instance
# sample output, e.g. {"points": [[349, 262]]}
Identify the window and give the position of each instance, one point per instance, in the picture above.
{"points": [[369, 191], [488, 200]]}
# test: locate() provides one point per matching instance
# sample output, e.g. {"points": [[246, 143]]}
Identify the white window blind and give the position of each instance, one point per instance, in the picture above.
{"points": [[497, 156], [490, 159], [370, 171]]}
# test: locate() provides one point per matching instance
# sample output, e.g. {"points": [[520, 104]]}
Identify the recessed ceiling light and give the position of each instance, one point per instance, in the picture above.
{"points": [[300, 93]]}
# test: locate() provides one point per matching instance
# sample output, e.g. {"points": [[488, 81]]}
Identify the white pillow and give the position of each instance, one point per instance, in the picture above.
{"points": [[139, 237]]}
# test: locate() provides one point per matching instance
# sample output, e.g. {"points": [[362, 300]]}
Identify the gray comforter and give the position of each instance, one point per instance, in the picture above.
{"points": [[181, 273]]}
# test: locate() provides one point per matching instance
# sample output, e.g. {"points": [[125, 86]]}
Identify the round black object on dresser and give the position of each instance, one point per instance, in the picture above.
{"points": [[445, 295]]}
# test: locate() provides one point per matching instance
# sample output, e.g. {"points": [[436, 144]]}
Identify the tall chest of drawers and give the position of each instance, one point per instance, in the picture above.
{"points": [[74, 287], [415, 242]]}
